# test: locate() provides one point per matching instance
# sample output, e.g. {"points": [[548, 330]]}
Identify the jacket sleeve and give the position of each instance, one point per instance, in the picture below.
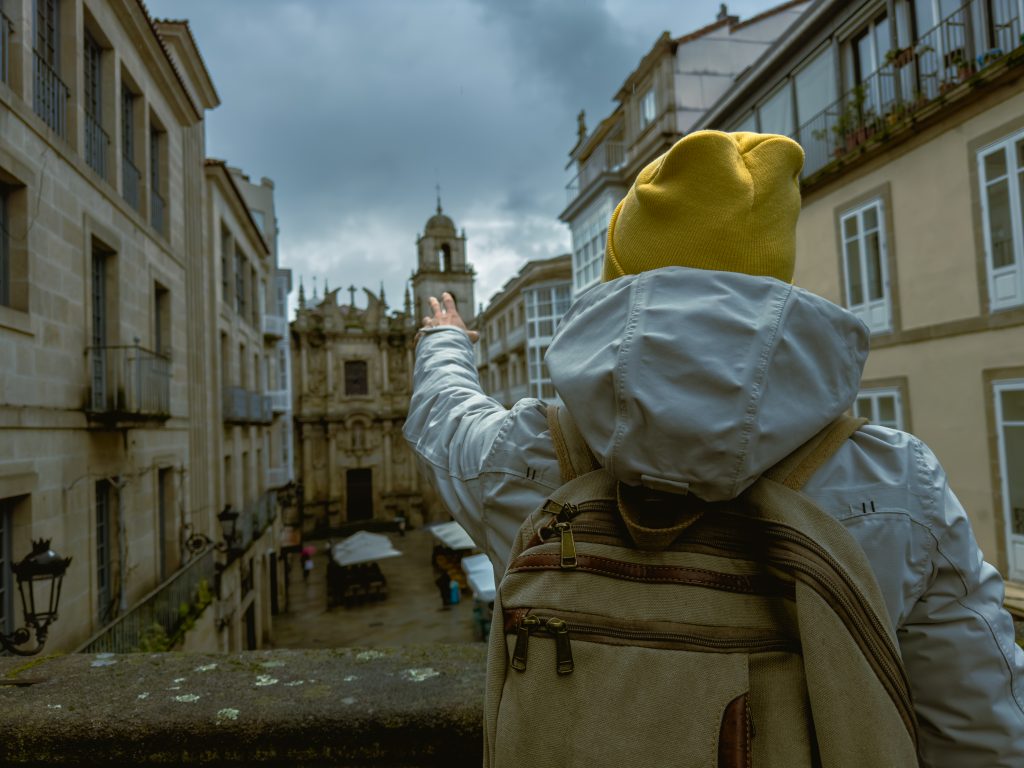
{"points": [[965, 669], [490, 465]]}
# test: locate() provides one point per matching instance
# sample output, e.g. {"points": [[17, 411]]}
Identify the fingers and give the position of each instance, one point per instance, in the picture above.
{"points": [[449, 303], [435, 307]]}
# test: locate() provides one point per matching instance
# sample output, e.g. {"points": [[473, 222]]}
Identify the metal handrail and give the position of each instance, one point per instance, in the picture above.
{"points": [[50, 96], [129, 380], [162, 607], [96, 143], [913, 77], [608, 156], [131, 179]]}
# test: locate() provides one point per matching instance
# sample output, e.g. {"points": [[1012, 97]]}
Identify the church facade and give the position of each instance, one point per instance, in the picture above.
{"points": [[352, 365]]}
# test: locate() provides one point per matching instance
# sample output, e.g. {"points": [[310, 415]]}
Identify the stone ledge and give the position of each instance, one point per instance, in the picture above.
{"points": [[409, 706]]}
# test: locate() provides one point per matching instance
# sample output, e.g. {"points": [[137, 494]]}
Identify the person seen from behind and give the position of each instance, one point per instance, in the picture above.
{"points": [[699, 364]]}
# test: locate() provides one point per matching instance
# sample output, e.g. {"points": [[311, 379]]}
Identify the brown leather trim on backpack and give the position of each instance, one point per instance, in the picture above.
{"points": [[796, 469], [574, 455], [734, 736], [656, 574]]}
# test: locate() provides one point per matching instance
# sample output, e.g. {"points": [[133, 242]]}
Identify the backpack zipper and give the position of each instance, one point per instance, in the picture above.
{"points": [[560, 629]]}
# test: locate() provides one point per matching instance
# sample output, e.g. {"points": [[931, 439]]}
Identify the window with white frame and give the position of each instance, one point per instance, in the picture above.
{"points": [[865, 269], [1000, 173], [776, 113], [589, 245], [648, 108], [545, 307], [882, 406], [1009, 411]]}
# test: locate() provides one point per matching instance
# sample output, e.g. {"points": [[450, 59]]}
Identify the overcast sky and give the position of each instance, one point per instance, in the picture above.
{"points": [[356, 108]]}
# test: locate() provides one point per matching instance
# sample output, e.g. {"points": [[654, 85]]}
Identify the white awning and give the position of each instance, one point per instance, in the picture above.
{"points": [[452, 535], [363, 547], [480, 575]]}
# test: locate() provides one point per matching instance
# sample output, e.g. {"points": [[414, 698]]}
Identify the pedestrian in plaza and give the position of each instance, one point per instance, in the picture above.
{"points": [[444, 586], [696, 365]]}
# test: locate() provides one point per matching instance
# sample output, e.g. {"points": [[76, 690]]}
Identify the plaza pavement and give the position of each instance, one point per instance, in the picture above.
{"points": [[412, 613]]}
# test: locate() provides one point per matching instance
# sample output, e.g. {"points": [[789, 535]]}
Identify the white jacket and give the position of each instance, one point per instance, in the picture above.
{"points": [[707, 379]]}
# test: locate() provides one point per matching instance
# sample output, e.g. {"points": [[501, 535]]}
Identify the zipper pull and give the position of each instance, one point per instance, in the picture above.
{"points": [[563, 651], [568, 544], [522, 641]]}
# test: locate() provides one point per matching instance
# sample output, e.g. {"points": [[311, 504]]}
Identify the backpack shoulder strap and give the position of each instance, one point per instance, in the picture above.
{"points": [[796, 469], [574, 456]]}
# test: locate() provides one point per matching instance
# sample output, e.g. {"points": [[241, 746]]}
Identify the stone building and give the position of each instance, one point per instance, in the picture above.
{"points": [[910, 115], [442, 266], [107, 387], [516, 328], [660, 101]]}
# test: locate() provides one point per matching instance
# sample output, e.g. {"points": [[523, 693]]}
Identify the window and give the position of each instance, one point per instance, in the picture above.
{"points": [[355, 378], [1009, 412], [545, 306], [131, 179], [6, 582], [259, 218], [815, 89], [99, 315], [157, 160], [589, 243], [444, 258], [648, 108], [864, 266], [880, 406], [96, 139], [226, 247], [776, 113], [161, 320], [254, 290], [1001, 173], [104, 564], [5, 247], [240, 271], [50, 94]]}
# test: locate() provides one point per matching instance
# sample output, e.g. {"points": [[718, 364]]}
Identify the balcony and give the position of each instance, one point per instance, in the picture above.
{"points": [[277, 477], [6, 31], [131, 182], [96, 144], [161, 607], [915, 79], [516, 340], [50, 96], [344, 707], [156, 211], [609, 156], [280, 402], [128, 383], [241, 406], [274, 326]]}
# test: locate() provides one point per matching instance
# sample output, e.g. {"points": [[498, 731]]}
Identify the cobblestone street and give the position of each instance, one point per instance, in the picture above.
{"points": [[411, 614]]}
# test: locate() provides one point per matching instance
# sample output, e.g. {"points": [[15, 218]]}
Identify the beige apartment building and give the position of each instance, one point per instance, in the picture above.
{"points": [[911, 115], [516, 328], [660, 101], [107, 392]]}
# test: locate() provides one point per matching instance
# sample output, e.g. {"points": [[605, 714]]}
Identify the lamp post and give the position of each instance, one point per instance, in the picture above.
{"points": [[228, 518], [40, 575]]}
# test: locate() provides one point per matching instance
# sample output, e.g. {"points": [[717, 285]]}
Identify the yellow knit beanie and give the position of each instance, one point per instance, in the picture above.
{"points": [[726, 201]]}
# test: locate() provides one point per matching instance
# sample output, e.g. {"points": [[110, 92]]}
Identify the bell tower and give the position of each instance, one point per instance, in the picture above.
{"points": [[442, 266]]}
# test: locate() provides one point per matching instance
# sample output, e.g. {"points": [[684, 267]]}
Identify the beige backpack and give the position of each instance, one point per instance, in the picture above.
{"points": [[636, 628]]}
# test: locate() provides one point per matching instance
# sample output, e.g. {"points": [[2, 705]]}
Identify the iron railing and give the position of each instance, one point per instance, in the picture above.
{"points": [[50, 96], [156, 211], [96, 144], [241, 406], [129, 381], [131, 180], [609, 156], [161, 607], [6, 30], [971, 38]]}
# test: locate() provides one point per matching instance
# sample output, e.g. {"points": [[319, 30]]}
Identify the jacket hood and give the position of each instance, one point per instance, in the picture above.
{"points": [[698, 380]]}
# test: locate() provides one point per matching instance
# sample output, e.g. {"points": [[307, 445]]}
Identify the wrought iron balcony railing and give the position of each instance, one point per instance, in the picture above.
{"points": [[131, 181], [6, 30], [161, 607], [973, 37], [50, 96], [609, 156], [129, 382], [96, 144]]}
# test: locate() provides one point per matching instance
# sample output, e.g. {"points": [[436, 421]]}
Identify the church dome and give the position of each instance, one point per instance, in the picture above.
{"points": [[440, 224]]}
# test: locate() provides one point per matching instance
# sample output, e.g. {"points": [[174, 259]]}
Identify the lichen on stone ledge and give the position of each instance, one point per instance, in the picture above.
{"points": [[407, 706]]}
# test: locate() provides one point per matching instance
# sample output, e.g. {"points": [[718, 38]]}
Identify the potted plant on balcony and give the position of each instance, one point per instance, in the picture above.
{"points": [[899, 57]]}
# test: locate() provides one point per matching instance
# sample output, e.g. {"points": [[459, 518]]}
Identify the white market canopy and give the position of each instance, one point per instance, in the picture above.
{"points": [[452, 535], [480, 575], [363, 547]]}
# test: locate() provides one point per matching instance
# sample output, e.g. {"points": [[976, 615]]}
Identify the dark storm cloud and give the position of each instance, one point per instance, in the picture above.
{"points": [[356, 109]]}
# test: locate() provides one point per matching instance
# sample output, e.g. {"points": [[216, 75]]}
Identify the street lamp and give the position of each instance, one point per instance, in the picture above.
{"points": [[40, 576], [228, 518]]}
